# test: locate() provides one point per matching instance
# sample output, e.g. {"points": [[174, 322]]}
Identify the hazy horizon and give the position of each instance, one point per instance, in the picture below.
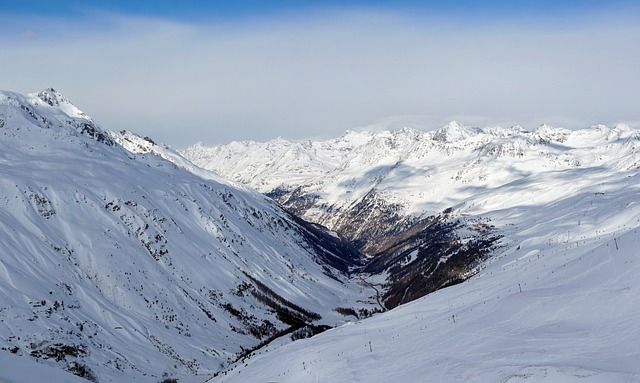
{"points": [[260, 71]]}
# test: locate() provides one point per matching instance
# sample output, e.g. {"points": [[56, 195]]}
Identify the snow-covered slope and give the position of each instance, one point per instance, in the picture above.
{"points": [[14, 369], [122, 266], [121, 261], [407, 197], [418, 172], [560, 302]]}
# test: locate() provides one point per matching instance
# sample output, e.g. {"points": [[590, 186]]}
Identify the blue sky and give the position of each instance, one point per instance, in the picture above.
{"points": [[217, 71], [224, 10]]}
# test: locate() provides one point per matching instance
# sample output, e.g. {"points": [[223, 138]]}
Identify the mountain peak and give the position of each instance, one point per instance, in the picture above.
{"points": [[55, 99], [547, 132], [50, 109], [52, 97], [409, 131], [453, 132]]}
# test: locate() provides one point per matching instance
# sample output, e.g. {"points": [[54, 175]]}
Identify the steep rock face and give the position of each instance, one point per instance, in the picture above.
{"points": [[119, 265]]}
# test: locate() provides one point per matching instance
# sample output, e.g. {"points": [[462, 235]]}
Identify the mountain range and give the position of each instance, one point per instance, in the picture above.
{"points": [[462, 254], [410, 199], [549, 295]]}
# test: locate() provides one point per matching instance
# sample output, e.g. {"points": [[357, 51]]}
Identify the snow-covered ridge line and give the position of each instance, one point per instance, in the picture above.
{"points": [[385, 191], [49, 109], [339, 172], [53, 98], [119, 265]]}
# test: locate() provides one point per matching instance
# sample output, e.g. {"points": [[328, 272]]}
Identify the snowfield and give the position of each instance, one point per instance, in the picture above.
{"points": [[15, 369]]}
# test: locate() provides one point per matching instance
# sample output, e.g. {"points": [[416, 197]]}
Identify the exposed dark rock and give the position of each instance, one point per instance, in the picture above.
{"points": [[430, 256], [419, 254]]}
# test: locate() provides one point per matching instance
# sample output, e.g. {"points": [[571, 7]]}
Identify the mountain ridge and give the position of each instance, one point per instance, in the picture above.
{"points": [[342, 170], [439, 185], [118, 264], [556, 299]]}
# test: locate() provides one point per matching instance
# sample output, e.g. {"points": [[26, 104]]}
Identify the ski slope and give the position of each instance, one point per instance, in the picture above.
{"points": [[561, 303]]}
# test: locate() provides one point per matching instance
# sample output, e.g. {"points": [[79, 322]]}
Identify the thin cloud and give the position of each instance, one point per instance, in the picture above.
{"points": [[318, 75]]}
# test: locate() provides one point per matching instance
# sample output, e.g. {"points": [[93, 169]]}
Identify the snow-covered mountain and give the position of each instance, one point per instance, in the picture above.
{"points": [[558, 301], [424, 205], [416, 172], [122, 261], [119, 265], [560, 304]]}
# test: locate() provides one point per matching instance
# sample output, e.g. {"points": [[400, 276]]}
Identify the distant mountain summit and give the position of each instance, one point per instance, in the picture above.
{"points": [[453, 132], [421, 172]]}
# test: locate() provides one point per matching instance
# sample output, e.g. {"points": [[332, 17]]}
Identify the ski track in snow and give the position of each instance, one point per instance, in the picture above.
{"points": [[574, 321]]}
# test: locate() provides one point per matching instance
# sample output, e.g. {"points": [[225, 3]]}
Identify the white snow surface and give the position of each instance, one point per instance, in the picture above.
{"points": [[125, 261], [15, 369], [558, 302], [427, 172]]}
